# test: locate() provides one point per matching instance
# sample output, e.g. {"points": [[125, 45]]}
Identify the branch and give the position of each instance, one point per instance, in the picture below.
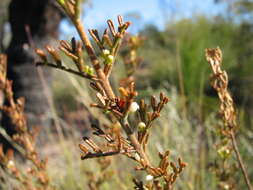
{"points": [[240, 161], [99, 154], [67, 69]]}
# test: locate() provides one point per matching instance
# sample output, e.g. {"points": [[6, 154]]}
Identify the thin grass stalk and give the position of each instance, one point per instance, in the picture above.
{"points": [[227, 109], [239, 159]]}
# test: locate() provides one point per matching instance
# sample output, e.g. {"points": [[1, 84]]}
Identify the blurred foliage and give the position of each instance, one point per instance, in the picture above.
{"points": [[3, 19], [243, 6], [3, 10], [238, 6], [178, 51]]}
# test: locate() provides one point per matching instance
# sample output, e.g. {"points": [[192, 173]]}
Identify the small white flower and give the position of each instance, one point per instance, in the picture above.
{"points": [[226, 186], [141, 126], [133, 107], [10, 164], [137, 157], [149, 177], [106, 52], [110, 58], [107, 56]]}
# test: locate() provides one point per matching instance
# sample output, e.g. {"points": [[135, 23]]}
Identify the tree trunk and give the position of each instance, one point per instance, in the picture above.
{"points": [[32, 22]]}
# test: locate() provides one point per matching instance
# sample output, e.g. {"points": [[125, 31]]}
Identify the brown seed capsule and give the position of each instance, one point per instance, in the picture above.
{"points": [[92, 144], [66, 45], [142, 104], [149, 116], [73, 44], [153, 102], [123, 92], [100, 98], [165, 100], [132, 87], [54, 54], [42, 54], [10, 154], [96, 38], [94, 86], [161, 96], [83, 148], [106, 39], [173, 167], [111, 27], [120, 20]]}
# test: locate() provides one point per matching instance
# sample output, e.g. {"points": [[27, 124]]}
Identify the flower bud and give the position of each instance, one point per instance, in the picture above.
{"points": [[106, 52], [137, 157], [224, 152], [110, 58], [107, 56], [88, 70], [226, 186], [61, 2], [133, 107], [149, 177], [10, 164], [141, 126]]}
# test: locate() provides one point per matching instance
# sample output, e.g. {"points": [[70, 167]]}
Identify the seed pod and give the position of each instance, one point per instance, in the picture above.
{"points": [[165, 100], [95, 36], [120, 20], [54, 54], [153, 103], [83, 148], [149, 116], [73, 44], [42, 54], [161, 96], [123, 92], [100, 98], [111, 27], [65, 45]]}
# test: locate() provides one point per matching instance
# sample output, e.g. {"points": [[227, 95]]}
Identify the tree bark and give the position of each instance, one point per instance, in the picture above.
{"points": [[32, 22]]}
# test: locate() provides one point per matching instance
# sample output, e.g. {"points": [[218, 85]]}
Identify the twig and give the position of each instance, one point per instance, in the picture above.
{"points": [[69, 70], [239, 159], [100, 73], [13, 143], [104, 79], [99, 154]]}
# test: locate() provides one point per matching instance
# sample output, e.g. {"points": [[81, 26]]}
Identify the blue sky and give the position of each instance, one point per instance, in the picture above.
{"points": [[147, 11]]}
